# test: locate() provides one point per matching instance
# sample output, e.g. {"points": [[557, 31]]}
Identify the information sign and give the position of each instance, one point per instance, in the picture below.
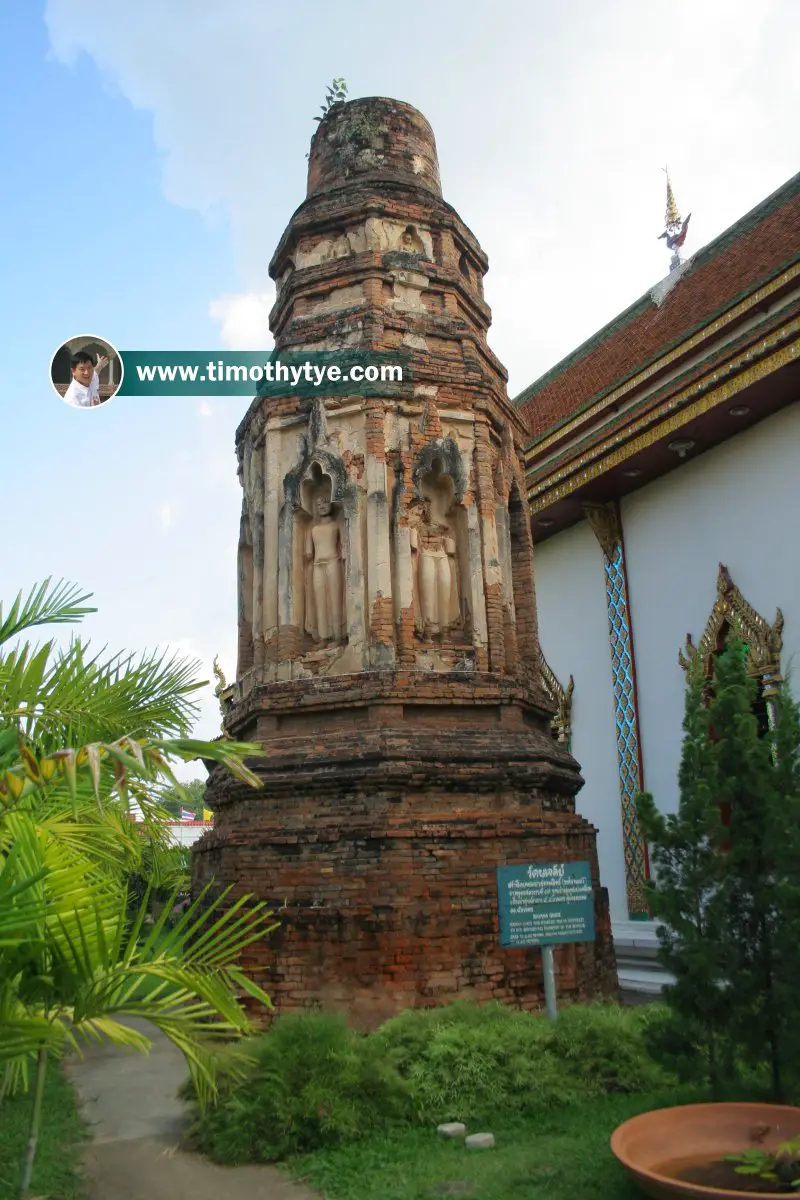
{"points": [[545, 904]]}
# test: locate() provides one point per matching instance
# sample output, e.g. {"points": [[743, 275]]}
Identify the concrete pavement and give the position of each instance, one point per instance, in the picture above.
{"points": [[129, 1102]]}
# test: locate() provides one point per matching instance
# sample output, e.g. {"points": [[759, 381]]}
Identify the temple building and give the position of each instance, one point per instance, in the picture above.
{"points": [[663, 478], [389, 658]]}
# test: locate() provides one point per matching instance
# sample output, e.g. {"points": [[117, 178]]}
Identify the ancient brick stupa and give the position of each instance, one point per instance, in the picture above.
{"points": [[388, 650]]}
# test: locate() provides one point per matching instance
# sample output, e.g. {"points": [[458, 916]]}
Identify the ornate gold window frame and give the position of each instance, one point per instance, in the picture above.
{"points": [[764, 641]]}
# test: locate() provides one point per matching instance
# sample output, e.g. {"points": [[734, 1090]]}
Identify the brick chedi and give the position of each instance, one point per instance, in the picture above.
{"points": [[388, 649]]}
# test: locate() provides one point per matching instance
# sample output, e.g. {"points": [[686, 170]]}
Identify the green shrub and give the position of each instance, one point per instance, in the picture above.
{"points": [[602, 1046], [470, 1061], [315, 1084], [408, 1036], [470, 1073]]}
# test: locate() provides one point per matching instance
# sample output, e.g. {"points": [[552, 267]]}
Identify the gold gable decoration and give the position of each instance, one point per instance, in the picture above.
{"points": [[562, 698], [764, 641]]}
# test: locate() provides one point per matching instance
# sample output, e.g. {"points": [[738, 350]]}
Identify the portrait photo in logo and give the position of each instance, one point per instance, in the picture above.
{"points": [[86, 371]]}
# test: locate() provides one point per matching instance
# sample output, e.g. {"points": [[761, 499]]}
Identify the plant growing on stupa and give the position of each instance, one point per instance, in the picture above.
{"points": [[336, 94]]}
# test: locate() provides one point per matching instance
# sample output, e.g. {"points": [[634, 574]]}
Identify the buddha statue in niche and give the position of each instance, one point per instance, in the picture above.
{"points": [[323, 556], [437, 606]]}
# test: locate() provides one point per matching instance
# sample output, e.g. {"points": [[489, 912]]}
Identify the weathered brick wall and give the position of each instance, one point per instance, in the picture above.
{"points": [[385, 912], [381, 825], [388, 804]]}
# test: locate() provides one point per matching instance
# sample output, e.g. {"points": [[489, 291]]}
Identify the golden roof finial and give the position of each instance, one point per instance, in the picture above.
{"points": [[675, 232], [673, 217]]}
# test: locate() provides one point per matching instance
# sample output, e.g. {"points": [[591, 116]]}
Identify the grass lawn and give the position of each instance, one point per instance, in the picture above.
{"points": [[56, 1172], [563, 1156]]}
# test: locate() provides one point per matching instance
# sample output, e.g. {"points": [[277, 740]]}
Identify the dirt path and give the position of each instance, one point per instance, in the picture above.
{"points": [[135, 1118]]}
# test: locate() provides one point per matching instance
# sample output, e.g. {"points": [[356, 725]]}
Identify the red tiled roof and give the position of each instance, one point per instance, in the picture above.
{"points": [[757, 247]]}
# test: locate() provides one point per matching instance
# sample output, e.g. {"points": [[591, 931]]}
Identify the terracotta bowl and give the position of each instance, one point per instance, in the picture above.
{"points": [[653, 1145]]}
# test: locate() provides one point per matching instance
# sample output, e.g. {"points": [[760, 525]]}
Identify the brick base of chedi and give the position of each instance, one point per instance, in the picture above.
{"points": [[388, 652]]}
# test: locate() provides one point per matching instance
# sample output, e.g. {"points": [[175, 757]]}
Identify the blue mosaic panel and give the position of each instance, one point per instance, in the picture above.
{"points": [[627, 733]]}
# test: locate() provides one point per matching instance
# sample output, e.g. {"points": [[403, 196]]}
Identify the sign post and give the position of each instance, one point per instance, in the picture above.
{"points": [[545, 904], [549, 972]]}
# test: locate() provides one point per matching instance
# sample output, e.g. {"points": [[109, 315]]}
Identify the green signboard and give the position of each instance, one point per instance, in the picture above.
{"points": [[545, 904]]}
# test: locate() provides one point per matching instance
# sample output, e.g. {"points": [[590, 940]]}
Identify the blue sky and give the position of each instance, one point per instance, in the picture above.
{"points": [[153, 154]]}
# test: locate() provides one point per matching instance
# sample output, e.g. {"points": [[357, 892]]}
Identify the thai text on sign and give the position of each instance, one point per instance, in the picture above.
{"points": [[545, 904]]}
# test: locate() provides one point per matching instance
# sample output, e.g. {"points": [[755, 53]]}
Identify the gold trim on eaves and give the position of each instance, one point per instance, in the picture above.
{"points": [[707, 333], [606, 457]]}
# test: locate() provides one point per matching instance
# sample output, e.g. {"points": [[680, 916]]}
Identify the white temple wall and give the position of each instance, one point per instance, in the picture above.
{"points": [[738, 504], [186, 833], [573, 631]]}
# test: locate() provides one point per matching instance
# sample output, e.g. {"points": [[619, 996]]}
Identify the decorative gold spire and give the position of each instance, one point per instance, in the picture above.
{"points": [[673, 217]]}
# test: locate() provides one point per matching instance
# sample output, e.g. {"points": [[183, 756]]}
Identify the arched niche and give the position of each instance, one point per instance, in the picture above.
{"points": [[411, 242], [446, 453], [439, 540], [316, 482], [319, 568], [322, 543]]}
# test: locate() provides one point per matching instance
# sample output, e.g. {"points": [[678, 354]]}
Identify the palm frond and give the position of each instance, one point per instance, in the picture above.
{"points": [[88, 744], [94, 965], [46, 604], [70, 696], [126, 767]]}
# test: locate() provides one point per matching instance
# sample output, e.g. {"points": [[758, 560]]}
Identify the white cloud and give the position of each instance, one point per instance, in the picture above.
{"points": [[205, 409], [199, 67], [553, 157], [243, 319], [165, 517]]}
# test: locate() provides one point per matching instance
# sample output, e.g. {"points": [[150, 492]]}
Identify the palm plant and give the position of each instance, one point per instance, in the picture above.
{"points": [[85, 742]]}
